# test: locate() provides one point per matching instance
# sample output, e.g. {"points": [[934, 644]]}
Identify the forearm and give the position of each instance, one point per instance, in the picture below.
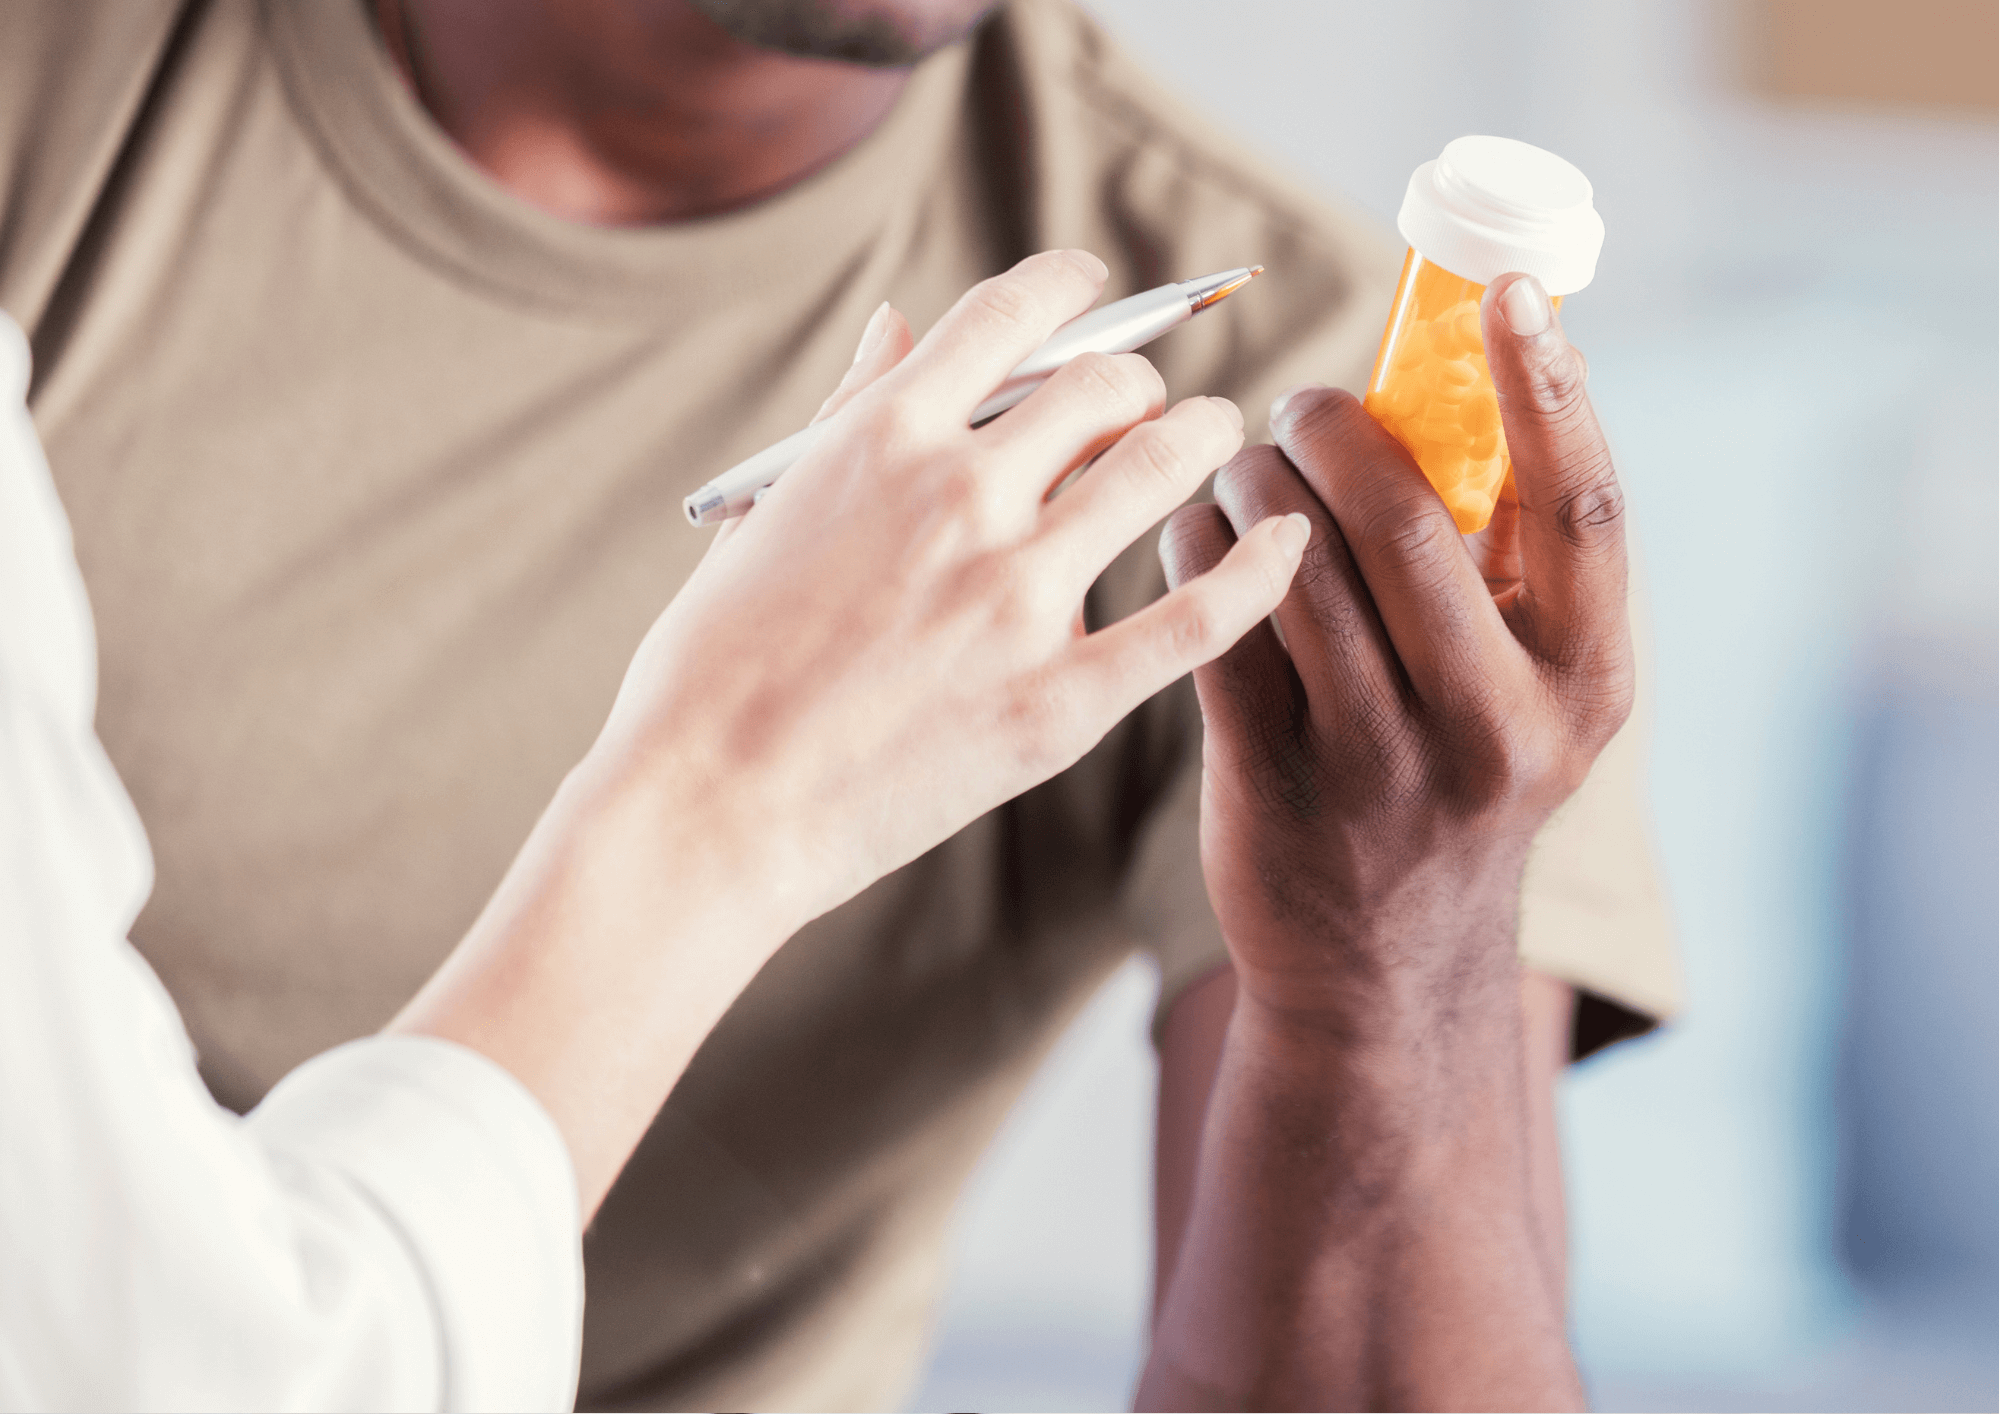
{"points": [[618, 938], [1364, 1231], [1548, 1024], [1192, 1037]]}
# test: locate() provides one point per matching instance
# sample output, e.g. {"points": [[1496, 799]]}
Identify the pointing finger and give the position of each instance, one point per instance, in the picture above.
{"points": [[1329, 621], [1121, 666], [1447, 634]]}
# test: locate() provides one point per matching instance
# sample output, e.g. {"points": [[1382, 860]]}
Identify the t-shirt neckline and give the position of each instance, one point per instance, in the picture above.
{"points": [[414, 182]]}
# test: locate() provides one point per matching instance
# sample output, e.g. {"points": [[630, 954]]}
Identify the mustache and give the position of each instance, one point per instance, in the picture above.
{"points": [[823, 29]]}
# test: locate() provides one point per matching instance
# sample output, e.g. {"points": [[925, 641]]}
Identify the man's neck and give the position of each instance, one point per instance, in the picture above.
{"points": [[627, 114]]}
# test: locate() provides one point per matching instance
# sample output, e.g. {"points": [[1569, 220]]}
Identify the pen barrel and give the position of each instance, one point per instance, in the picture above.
{"points": [[735, 491], [1119, 327]]}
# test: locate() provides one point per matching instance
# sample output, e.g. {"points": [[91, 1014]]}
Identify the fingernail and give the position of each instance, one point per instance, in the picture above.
{"points": [[1279, 403], [1233, 412], [871, 337], [1090, 264], [1293, 532], [1525, 307]]}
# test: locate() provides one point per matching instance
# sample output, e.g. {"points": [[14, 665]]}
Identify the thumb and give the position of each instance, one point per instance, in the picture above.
{"points": [[1571, 531]]}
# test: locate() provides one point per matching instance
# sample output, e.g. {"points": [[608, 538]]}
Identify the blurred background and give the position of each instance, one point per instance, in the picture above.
{"points": [[1786, 1200]]}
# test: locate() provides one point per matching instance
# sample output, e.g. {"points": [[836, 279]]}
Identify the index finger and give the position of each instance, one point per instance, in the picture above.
{"points": [[1572, 514], [1446, 632], [996, 324]]}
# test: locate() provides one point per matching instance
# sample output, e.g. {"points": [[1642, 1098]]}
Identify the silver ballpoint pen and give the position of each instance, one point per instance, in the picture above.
{"points": [[1118, 327]]}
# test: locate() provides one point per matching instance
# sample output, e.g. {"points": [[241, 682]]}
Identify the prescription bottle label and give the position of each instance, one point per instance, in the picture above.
{"points": [[1432, 390]]}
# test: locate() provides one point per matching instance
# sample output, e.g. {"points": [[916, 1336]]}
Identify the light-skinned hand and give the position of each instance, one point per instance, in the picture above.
{"points": [[889, 644]]}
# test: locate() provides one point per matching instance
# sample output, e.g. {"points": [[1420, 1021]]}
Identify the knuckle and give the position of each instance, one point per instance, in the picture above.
{"points": [[1249, 477], [1272, 582], [1340, 618], [1557, 382], [1601, 693], [1135, 375], [885, 426], [1592, 511], [896, 410], [1221, 434], [1018, 612], [958, 493], [1190, 630], [1193, 541], [994, 590], [1572, 769], [1272, 578], [1526, 764], [1315, 415], [1120, 384], [1148, 377], [1042, 596], [1040, 708], [1069, 265], [1490, 762], [1411, 545], [1004, 299], [937, 549], [1158, 458]]}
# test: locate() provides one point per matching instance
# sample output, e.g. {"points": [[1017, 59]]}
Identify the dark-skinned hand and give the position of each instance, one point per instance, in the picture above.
{"points": [[1377, 765]]}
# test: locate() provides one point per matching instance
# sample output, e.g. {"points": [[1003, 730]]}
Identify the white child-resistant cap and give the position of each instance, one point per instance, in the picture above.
{"points": [[1488, 205]]}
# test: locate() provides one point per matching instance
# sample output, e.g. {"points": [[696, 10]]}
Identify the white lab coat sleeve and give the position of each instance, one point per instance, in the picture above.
{"points": [[395, 1227]]}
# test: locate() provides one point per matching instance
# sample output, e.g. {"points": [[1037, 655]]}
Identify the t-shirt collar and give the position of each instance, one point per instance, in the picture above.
{"points": [[411, 179]]}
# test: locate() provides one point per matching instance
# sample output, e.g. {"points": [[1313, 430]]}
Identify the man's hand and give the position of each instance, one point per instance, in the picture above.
{"points": [[1376, 768], [1394, 755]]}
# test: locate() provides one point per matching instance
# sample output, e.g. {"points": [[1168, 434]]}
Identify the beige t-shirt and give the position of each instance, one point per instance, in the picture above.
{"points": [[376, 474]]}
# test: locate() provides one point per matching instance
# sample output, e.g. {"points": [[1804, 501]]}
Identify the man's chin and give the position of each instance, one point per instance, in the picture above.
{"points": [[879, 33]]}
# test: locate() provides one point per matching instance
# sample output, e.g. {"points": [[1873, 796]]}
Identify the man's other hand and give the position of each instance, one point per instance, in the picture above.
{"points": [[1389, 752], [1364, 1230]]}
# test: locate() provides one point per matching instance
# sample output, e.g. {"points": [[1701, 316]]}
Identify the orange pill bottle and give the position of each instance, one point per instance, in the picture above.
{"points": [[1486, 206]]}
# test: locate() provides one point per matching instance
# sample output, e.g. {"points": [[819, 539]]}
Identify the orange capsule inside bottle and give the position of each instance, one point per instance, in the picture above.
{"points": [[1432, 390]]}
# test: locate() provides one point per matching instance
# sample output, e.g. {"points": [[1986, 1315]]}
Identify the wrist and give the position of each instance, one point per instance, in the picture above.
{"points": [[626, 927], [1428, 1089], [698, 850], [1396, 1038], [1436, 945]]}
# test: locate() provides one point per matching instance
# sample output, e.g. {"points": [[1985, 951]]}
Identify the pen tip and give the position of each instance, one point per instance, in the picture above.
{"points": [[1229, 285]]}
